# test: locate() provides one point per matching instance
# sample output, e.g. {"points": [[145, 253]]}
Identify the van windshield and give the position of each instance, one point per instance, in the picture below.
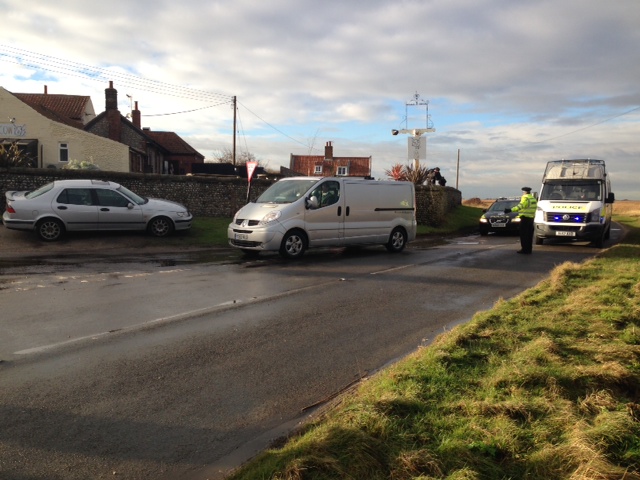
{"points": [[585, 191], [286, 191]]}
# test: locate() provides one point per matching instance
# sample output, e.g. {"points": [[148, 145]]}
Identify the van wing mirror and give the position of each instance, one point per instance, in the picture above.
{"points": [[312, 202], [611, 198]]}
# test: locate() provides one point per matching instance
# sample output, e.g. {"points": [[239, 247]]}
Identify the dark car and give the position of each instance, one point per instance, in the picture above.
{"points": [[495, 220]]}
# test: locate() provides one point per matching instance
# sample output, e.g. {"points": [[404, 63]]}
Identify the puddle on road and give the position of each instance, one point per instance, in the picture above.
{"points": [[55, 263]]}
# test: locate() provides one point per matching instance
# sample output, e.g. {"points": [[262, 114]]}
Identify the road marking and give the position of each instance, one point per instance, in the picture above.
{"points": [[226, 305]]}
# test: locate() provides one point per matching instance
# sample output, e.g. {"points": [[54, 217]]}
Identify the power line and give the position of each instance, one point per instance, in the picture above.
{"points": [[39, 61]]}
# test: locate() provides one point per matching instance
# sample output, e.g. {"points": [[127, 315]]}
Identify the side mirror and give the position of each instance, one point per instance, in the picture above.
{"points": [[129, 205], [312, 202], [610, 198]]}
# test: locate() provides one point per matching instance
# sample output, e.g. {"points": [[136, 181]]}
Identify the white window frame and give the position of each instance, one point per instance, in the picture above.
{"points": [[63, 151], [342, 171], [318, 170]]}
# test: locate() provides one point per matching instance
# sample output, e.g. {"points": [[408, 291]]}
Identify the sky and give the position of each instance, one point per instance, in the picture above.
{"points": [[507, 85]]}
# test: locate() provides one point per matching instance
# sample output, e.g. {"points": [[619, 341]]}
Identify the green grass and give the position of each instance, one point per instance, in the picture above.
{"points": [[543, 386], [212, 231]]}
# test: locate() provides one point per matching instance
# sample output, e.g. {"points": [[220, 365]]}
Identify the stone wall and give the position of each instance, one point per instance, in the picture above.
{"points": [[207, 196]]}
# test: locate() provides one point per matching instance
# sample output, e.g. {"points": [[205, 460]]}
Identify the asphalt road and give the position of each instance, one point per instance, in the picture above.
{"points": [[127, 368]]}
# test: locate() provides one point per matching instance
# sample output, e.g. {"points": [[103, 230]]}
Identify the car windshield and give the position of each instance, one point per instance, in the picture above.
{"points": [[286, 191], [500, 205], [40, 191], [137, 199]]}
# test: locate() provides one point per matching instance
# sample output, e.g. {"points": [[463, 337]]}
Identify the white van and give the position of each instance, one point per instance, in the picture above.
{"points": [[575, 202], [300, 212]]}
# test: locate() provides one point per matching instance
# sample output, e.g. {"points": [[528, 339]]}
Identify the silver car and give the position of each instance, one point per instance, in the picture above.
{"points": [[83, 205]]}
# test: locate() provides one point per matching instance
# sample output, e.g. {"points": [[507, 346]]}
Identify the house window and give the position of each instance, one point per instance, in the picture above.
{"points": [[64, 152], [342, 171], [318, 170]]}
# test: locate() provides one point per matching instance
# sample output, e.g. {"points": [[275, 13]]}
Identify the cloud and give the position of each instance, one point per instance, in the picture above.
{"points": [[510, 83]]}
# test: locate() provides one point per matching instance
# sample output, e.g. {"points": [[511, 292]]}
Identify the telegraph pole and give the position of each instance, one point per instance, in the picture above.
{"points": [[234, 129]]}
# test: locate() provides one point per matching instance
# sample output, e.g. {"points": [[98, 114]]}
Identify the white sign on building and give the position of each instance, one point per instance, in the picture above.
{"points": [[12, 130]]}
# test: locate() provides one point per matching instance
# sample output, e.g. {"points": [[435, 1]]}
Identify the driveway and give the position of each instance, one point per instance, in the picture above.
{"points": [[20, 244]]}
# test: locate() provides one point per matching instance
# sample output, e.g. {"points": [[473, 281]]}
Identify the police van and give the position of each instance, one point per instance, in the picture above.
{"points": [[575, 202], [296, 213]]}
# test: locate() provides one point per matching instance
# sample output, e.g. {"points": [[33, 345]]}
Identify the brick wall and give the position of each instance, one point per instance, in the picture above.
{"points": [[207, 196]]}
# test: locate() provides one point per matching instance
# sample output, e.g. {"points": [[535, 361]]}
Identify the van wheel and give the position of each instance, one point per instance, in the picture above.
{"points": [[50, 229], [599, 242], [539, 240], [294, 244], [397, 240]]}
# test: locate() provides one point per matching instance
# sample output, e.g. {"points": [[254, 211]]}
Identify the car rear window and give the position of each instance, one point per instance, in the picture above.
{"points": [[42, 190]]}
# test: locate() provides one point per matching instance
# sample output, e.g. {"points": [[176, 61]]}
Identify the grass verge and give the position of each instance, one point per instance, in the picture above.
{"points": [[543, 386]]}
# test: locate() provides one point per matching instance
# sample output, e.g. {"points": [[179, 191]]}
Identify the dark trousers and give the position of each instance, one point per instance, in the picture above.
{"points": [[526, 234]]}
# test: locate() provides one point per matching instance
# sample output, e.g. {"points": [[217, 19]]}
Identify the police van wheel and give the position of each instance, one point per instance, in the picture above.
{"points": [[397, 240], [294, 244]]}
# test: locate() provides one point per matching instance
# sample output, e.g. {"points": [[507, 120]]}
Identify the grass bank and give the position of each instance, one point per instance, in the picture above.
{"points": [[543, 386]]}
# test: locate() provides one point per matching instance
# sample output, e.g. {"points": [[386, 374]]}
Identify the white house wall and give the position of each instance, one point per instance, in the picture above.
{"points": [[107, 154]]}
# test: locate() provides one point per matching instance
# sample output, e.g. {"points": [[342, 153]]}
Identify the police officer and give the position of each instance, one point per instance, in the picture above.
{"points": [[527, 210]]}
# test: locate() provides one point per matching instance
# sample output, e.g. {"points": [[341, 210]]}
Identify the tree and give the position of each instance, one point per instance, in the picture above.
{"points": [[226, 156], [408, 173], [396, 172], [12, 156]]}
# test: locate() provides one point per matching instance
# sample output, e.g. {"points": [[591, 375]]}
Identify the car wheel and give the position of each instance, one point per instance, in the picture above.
{"points": [[539, 240], [50, 229], [397, 240], [294, 244], [160, 227]]}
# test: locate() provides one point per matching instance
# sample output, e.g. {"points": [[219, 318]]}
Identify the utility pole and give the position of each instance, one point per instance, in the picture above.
{"points": [[457, 169], [417, 146], [234, 129]]}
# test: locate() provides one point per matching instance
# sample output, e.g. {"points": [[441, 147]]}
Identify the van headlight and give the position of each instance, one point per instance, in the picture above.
{"points": [[269, 217]]}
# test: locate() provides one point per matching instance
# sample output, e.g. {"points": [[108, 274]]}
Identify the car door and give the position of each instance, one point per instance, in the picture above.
{"points": [[117, 212], [324, 224], [77, 209]]}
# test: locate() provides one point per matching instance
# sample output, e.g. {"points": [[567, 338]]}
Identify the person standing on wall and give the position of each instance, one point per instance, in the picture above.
{"points": [[527, 211]]}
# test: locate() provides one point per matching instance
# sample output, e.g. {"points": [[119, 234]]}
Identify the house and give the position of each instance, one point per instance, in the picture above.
{"points": [[48, 129], [145, 154], [181, 156], [149, 152], [328, 165]]}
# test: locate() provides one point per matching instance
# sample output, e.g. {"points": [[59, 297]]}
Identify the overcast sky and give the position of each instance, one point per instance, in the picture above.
{"points": [[510, 84]]}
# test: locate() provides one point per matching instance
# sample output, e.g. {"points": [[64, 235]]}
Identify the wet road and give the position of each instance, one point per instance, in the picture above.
{"points": [[172, 369]]}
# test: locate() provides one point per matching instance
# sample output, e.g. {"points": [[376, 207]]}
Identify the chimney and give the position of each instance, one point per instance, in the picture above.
{"points": [[328, 151], [135, 116], [111, 97], [112, 113], [45, 90]]}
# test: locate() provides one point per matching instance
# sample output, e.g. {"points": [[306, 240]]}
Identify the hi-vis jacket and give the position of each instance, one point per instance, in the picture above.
{"points": [[527, 206]]}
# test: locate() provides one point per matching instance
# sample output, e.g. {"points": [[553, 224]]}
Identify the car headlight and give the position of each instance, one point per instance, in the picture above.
{"points": [[182, 214], [270, 217], [483, 219], [515, 219]]}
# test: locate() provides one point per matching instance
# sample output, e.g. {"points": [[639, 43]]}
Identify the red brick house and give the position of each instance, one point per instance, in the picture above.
{"points": [[327, 165]]}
